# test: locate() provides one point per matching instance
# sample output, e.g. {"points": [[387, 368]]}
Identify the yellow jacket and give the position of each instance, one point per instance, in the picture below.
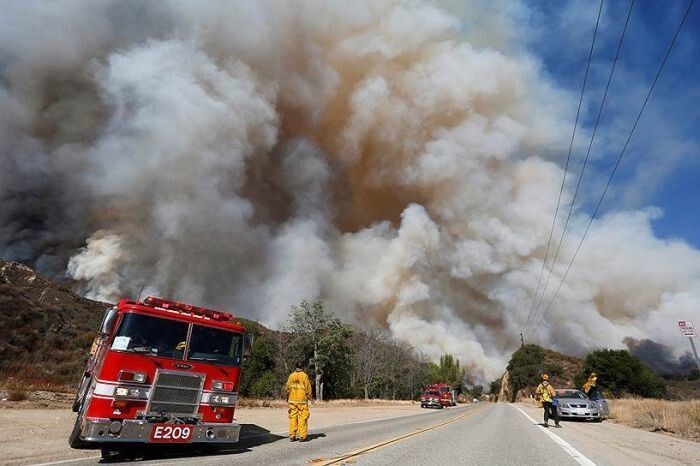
{"points": [[545, 391], [298, 387]]}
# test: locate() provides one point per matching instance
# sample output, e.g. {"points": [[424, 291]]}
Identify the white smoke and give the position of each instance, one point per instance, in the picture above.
{"points": [[248, 155]]}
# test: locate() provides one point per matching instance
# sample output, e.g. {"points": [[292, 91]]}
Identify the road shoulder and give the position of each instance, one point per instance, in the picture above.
{"points": [[608, 443]]}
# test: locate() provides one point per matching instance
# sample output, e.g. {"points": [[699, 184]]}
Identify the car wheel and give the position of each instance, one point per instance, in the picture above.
{"points": [[441, 406]]}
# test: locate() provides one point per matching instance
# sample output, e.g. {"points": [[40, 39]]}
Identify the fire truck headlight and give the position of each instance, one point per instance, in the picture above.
{"points": [[225, 400], [137, 393], [129, 392]]}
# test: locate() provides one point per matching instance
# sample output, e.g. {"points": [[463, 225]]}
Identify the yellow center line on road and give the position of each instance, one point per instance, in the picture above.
{"points": [[385, 443]]}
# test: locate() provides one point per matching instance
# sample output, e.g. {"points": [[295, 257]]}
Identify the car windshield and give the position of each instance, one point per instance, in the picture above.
{"points": [[431, 394], [572, 394], [214, 345], [140, 333]]}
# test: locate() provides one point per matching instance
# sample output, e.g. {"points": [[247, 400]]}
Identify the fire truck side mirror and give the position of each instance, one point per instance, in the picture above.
{"points": [[108, 321], [247, 345]]}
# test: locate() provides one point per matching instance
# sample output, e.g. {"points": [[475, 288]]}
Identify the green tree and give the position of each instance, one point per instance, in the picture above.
{"points": [[495, 387], [319, 336], [525, 367], [448, 371], [477, 391], [259, 378], [622, 373]]}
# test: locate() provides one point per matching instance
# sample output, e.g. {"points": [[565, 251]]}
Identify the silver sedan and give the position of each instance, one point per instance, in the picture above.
{"points": [[574, 404]]}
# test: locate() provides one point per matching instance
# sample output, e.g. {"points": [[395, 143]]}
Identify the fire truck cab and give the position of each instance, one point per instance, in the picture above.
{"points": [[160, 372]]}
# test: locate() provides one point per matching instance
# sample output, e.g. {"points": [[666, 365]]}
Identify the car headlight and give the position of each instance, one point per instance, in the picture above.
{"points": [[565, 405]]}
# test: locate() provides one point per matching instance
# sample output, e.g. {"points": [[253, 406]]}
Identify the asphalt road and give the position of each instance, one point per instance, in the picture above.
{"points": [[494, 434]]}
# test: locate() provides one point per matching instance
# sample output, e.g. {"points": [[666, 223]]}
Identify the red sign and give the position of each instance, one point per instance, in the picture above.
{"points": [[687, 328], [171, 433]]}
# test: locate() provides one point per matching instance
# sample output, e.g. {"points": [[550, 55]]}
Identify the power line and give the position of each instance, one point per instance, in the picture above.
{"points": [[619, 159], [566, 167], [585, 160]]}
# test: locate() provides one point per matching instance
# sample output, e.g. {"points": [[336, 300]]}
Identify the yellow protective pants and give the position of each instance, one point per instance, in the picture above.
{"points": [[298, 420]]}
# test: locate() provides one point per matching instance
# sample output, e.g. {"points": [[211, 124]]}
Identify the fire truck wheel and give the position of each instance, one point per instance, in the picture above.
{"points": [[110, 454], [441, 406], [74, 439]]}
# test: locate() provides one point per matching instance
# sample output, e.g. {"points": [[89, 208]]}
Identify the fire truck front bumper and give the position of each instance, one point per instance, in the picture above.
{"points": [[138, 431]]}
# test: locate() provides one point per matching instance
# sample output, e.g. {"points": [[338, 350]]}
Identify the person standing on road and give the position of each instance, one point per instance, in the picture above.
{"points": [[545, 392], [298, 388]]}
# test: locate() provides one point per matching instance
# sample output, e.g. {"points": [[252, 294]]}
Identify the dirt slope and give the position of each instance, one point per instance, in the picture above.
{"points": [[45, 329]]}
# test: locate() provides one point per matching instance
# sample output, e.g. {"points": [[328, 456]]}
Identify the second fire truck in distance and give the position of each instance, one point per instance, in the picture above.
{"points": [[448, 395]]}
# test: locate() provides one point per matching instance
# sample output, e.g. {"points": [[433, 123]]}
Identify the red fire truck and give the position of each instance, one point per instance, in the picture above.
{"points": [[448, 396], [160, 372]]}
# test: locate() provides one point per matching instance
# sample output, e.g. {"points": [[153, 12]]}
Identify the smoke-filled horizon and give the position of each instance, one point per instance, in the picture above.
{"points": [[250, 155]]}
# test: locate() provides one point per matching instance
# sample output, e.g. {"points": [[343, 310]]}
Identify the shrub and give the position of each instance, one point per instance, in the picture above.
{"points": [[17, 395], [622, 373], [265, 386]]}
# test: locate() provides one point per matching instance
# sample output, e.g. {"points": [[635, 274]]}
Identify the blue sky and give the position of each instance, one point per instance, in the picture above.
{"points": [[662, 164]]}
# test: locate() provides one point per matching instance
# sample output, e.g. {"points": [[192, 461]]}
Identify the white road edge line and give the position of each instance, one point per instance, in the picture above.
{"points": [[566, 446]]}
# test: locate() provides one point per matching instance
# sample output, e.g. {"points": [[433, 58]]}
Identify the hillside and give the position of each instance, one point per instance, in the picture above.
{"points": [[529, 362], [45, 329]]}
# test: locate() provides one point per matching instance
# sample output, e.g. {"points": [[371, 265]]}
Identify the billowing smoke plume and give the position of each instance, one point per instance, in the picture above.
{"points": [[248, 155], [661, 357]]}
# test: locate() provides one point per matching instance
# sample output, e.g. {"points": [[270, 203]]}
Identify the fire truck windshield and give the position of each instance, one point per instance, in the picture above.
{"points": [[214, 345], [140, 333]]}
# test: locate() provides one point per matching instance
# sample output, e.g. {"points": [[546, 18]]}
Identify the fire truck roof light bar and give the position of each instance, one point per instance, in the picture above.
{"points": [[187, 309]]}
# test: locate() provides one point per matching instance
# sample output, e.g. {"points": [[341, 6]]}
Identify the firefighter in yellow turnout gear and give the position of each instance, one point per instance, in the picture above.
{"points": [[546, 394], [298, 388]]}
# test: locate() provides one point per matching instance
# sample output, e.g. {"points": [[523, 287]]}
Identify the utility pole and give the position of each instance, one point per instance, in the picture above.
{"points": [[522, 342]]}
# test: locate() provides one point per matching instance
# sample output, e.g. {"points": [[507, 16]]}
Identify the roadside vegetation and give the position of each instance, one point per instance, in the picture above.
{"points": [[680, 418], [620, 374], [347, 362]]}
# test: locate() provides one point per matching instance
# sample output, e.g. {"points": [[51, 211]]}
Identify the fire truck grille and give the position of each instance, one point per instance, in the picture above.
{"points": [[176, 392]]}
